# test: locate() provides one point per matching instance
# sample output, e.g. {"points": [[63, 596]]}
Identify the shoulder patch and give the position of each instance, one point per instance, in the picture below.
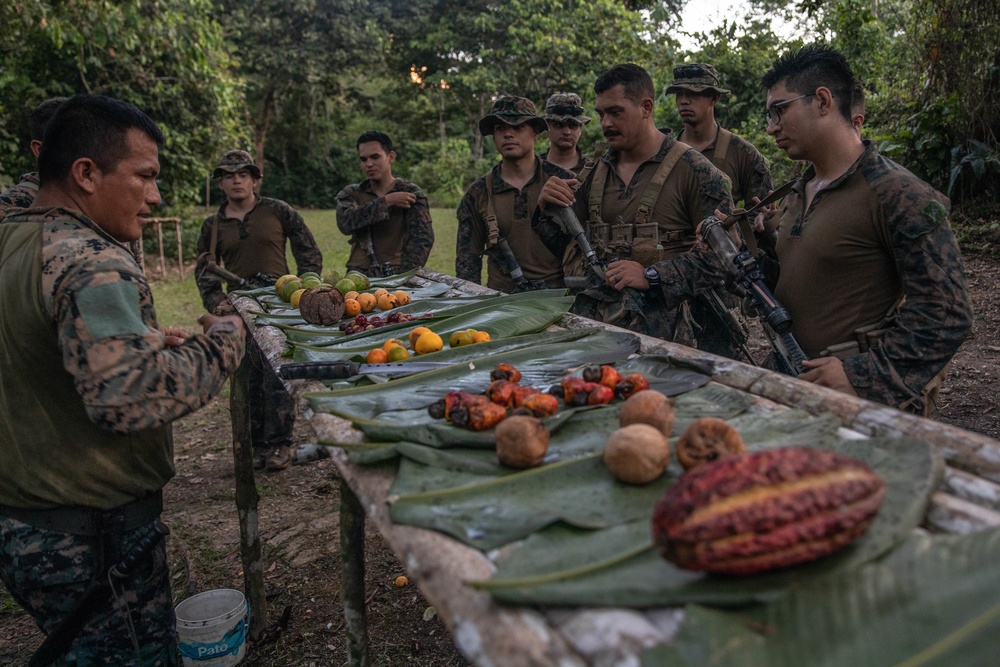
{"points": [[111, 309], [935, 212]]}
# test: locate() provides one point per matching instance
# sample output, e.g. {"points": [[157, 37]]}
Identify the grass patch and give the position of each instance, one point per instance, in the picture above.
{"points": [[178, 302]]}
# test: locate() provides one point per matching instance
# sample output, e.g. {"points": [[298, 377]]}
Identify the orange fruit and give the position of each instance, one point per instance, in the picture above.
{"points": [[387, 302], [379, 292], [481, 337], [351, 307], [402, 298], [459, 338], [377, 356], [416, 334], [367, 302], [391, 343], [352, 295], [398, 353], [428, 342], [295, 296]]}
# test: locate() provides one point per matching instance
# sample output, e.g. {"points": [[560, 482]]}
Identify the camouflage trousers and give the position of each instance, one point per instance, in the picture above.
{"points": [[272, 409], [48, 572]]}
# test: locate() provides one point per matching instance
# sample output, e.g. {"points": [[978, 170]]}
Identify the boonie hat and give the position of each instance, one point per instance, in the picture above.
{"points": [[512, 111], [233, 161], [562, 107], [696, 77]]}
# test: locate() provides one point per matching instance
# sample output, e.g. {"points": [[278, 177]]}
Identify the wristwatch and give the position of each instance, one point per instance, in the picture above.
{"points": [[652, 277]]}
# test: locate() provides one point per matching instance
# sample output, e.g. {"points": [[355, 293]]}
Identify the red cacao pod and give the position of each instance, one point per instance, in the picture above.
{"points": [[765, 510]]}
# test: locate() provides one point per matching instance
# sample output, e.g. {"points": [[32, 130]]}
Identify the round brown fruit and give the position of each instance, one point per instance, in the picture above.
{"points": [[706, 440], [648, 407], [637, 453], [522, 441]]}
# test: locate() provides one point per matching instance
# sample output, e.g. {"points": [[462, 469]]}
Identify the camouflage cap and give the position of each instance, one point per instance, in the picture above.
{"points": [[512, 111], [232, 161], [696, 77], [562, 107]]}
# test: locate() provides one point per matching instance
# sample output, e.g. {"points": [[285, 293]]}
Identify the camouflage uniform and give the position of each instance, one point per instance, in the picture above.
{"points": [[692, 191], [841, 272], [20, 195], [400, 236], [743, 164], [88, 390]]}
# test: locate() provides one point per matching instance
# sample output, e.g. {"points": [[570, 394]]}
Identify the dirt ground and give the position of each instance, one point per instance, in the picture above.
{"points": [[299, 524]]}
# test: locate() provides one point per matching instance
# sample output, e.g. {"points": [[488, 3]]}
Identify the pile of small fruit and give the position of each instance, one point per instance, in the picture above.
{"points": [[365, 302], [361, 322]]}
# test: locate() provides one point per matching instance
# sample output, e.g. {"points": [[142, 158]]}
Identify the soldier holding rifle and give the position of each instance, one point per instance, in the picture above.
{"points": [[387, 218], [496, 210]]}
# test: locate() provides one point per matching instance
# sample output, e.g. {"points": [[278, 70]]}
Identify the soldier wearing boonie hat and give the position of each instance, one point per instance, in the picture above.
{"points": [[697, 89], [248, 235], [498, 206], [565, 118]]}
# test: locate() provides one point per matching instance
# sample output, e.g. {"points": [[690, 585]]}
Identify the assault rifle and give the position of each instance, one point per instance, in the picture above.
{"points": [[749, 282], [504, 256], [376, 269], [234, 281], [566, 217]]}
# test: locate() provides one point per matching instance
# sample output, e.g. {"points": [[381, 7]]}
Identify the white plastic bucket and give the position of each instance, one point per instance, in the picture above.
{"points": [[212, 628]]}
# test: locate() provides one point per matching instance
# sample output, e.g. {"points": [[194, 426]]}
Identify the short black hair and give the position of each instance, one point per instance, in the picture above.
{"points": [[636, 82], [41, 115], [374, 135], [91, 126], [810, 67], [858, 103]]}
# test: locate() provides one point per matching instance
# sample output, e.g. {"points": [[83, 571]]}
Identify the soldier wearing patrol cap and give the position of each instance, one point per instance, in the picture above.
{"points": [[498, 206], [248, 236], [565, 120], [697, 89]]}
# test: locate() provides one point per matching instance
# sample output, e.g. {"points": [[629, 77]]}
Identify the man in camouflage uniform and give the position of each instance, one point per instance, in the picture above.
{"points": [[22, 194], [497, 207], [697, 90], [387, 218], [89, 385], [248, 235], [565, 120], [640, 207]]}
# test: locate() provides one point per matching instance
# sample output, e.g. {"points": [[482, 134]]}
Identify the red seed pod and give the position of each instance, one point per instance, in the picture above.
{"points": [[600, 395], [478, 416], [541, 405], [505, 372], [631, 384], [606, 375], [500, 391], [520, 393]]}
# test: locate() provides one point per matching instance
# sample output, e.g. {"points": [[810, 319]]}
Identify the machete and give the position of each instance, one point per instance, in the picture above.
{"points": [[339, 370]]}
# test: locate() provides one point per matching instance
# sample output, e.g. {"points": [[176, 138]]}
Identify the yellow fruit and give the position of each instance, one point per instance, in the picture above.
{"points": [[415, 334], [367, 302], [352, 295], [481, 337], [401, 581], [427, 343], [377, 356], [294, 298], [380, 291], [281, 282], [391, 343], [459, 338], [387, 302], [402, 298], [351, 307], [398, 353]]}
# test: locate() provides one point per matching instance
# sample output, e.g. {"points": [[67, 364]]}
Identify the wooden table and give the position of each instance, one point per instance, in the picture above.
{"points": [[490, 634]]}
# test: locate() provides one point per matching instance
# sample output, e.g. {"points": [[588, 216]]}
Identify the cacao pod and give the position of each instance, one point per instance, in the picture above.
{"points": [[323, 305], [754, 512]]}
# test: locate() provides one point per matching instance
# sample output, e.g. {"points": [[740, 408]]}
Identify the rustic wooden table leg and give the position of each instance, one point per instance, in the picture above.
{"points": [[247, 499], [352, 555]]}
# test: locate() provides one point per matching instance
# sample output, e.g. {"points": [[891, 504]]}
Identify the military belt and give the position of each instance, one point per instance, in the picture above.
{"points": [[90, 521]]}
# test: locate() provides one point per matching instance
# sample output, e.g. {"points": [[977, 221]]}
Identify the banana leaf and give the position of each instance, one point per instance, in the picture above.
{"points": [[935, 601], [544, 569]]}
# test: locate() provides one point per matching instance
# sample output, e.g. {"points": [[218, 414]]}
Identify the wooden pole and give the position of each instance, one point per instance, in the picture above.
{"points": [[247, 499], [352, 556], [180, 249], [159, 236]]}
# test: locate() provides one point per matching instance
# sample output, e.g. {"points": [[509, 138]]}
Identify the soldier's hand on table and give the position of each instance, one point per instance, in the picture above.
{"points": [[626, 273], [828, 372], [400, 199], [558, 192], [173, 337], [207, 322]]}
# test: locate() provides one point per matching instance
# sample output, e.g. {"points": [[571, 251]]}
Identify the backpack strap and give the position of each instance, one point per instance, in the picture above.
{"points": [[722, 142], [652, 190], [492, 228]]}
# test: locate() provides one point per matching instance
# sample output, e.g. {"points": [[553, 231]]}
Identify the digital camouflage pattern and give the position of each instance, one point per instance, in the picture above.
{"points": [[696, 77], [511, 110], [232, 161], [47, 572], [513, 209], [401, 236], [256, 244], [20, 195], [562, 107], [840, 273], [744, 165]]}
